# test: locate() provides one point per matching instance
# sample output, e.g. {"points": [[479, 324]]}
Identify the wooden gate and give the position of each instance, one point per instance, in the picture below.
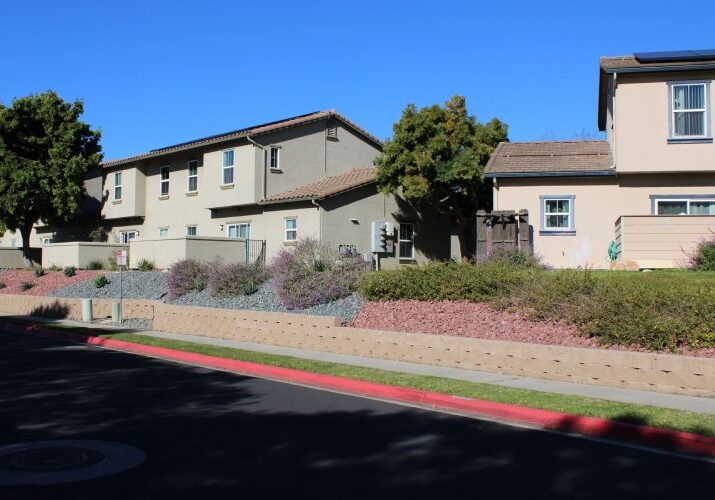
{"points": [[503, 230]]}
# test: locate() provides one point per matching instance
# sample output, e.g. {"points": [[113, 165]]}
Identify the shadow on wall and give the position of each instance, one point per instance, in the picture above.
{"points": [[56, 310], [432, 229]]}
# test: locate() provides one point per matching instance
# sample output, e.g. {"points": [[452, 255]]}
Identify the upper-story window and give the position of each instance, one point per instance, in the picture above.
{"points": [[557, 214], [192, 179], [117, 185], [227, 170], [689, 106], [164, 181], [274, 157]]}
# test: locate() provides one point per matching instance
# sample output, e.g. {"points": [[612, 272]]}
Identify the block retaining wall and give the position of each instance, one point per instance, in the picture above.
{"points": [[631, 370]]}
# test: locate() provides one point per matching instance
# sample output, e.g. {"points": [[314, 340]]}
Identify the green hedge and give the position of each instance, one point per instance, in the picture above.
{"points": [[653, 310]]}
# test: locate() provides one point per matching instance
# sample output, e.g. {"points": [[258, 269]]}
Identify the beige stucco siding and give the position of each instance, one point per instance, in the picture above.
{"points": [[598, 203], [642, 126]]}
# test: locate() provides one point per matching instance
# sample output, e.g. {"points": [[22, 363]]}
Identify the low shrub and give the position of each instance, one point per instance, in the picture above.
{"points": [[26, 285], [55, 268], [231, 280], [39, 272], [95, 265], [512, 257], [146, 265], [703, 257], [444, 281], [312, 273], [187, 275], [2, 285], [100, 281], [70, 271]]}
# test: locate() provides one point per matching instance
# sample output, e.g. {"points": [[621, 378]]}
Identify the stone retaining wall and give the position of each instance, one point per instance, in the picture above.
{"points": [[633, 370]]}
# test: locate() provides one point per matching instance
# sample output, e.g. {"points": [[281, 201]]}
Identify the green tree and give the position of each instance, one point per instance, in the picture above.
{"points": [[45, 152], [436, 159]]}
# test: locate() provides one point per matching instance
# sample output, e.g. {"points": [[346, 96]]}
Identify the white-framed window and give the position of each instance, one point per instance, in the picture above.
{"points": [[689, 104], [406, 241], [13, 243], [190, 230], [227, 168], [164, 181], [192, 176], [117, 185], [163, 232], [48, 241], [126, 236], [274, 158], [239, 230], [291, 229], [685, 206], [557, 214]]}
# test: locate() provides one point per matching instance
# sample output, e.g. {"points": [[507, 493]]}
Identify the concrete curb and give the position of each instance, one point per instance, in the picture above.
{"points": [[546, 419]]}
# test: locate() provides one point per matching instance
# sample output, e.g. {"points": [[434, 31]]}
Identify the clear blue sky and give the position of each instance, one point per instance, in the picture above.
{"points": [[156, 73]]}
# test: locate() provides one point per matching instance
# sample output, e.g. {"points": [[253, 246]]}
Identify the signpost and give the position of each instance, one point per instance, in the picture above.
{"points": [[121, 262]]}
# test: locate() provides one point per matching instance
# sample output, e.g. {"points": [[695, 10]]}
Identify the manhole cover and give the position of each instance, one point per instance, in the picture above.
{"points": [[54, 462]]}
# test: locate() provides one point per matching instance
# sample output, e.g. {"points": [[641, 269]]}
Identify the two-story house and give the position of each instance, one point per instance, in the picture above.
{"points": [[305, 176], [647, 192]]}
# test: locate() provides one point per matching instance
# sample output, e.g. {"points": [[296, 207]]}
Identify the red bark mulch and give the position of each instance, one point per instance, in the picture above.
{"points": [[52, 280]]}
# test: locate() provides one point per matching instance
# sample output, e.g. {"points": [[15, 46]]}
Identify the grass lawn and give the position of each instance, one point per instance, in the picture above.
{"points": [[646, 415]]}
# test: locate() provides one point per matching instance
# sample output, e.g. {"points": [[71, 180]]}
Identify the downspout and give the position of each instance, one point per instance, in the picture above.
{"points": [[320, 219], [615, 75], [263, 162]]}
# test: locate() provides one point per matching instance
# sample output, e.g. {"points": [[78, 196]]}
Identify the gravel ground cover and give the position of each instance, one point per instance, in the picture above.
{"points": [[478, 320], [265, 299], [44, 285], [135, 285]]}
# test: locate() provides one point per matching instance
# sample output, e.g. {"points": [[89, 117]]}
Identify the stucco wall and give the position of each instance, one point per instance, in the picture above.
{"points": [[11, 258], [432, 233], [166, 251], [599, 201], [79, 254], [642, 130]]}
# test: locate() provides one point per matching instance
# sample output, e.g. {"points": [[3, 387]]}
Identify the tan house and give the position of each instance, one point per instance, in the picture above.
{"points": [[249, 193], [647, 191]]}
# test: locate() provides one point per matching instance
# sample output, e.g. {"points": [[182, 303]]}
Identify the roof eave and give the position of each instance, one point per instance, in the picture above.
{"points": [[570, 173]]}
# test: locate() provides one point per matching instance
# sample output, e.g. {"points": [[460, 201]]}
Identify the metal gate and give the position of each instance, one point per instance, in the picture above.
{"points": [[256, 252]]}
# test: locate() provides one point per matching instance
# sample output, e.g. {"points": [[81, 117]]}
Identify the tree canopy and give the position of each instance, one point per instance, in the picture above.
{"points": [[45, 153], [436, 160]]}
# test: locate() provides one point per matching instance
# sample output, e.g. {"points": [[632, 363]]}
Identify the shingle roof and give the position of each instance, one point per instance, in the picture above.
{"points": [[328, 186], [563, 158], [237, 134]]}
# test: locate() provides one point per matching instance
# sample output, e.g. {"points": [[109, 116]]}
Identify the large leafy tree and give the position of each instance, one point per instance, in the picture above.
{"points": [[45, 153], [436, 160]]}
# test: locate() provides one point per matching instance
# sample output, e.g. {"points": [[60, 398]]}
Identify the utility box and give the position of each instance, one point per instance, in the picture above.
{"points": [[382, 237]]}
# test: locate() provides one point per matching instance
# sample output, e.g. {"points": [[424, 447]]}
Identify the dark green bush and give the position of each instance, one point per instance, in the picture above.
{"points": [[2, 285], [55, 268], [146, 265], [444, 281], [39, 272], [70, 271], [26, 285], [95, 265], [100, 281], [703, 257]]}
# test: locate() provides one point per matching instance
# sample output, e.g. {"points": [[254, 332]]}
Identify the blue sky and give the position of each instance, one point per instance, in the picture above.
{"points": [[156, 73]]}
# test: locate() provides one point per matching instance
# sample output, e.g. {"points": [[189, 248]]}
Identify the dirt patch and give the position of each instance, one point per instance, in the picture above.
{"points": [[43, 285], [477, 320]]}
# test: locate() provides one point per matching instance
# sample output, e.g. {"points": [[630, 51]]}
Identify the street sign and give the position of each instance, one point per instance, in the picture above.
{"points": [[121, 257]]}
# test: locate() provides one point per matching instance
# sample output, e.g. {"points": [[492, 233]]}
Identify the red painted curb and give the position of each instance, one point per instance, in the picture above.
{"points": [[650, 436]]}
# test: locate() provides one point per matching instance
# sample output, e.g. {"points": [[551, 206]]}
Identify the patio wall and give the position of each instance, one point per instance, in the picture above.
{"points": [[166, 251], [79, 253], [658, 241], [11, 258]]}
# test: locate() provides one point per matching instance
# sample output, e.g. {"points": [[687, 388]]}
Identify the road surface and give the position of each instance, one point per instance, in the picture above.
{"points": [[208, 434]]}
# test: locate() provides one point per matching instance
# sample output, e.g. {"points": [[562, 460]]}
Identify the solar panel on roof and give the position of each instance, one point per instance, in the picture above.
{"points": [[675, 55]]}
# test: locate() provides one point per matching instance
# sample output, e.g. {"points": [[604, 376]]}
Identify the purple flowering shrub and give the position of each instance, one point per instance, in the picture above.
{"points": [[231, 280], [186, 276], [312, 273]]}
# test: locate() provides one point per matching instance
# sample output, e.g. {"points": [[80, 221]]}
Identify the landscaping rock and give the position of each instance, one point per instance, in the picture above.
{"points": [[136, 285], [48, 284]]}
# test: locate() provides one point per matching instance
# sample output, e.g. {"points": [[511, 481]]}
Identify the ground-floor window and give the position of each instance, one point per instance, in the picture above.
{"points": [[406, 240], [163, 232], [240, 230], [48, 241], [126, 236], [685, 206], [190, 230], [291, 229], [557, 214]]}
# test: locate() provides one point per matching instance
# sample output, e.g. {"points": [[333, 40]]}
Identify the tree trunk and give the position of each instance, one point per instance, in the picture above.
{"points": [[463, 235], [25, 232]]}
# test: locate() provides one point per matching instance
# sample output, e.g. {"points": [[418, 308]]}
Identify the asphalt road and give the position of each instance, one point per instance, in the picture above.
{"points": [[209, 434]]}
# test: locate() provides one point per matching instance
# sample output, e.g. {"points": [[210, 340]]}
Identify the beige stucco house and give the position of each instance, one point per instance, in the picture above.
{"points": [[649, 187], [251, 192]]}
